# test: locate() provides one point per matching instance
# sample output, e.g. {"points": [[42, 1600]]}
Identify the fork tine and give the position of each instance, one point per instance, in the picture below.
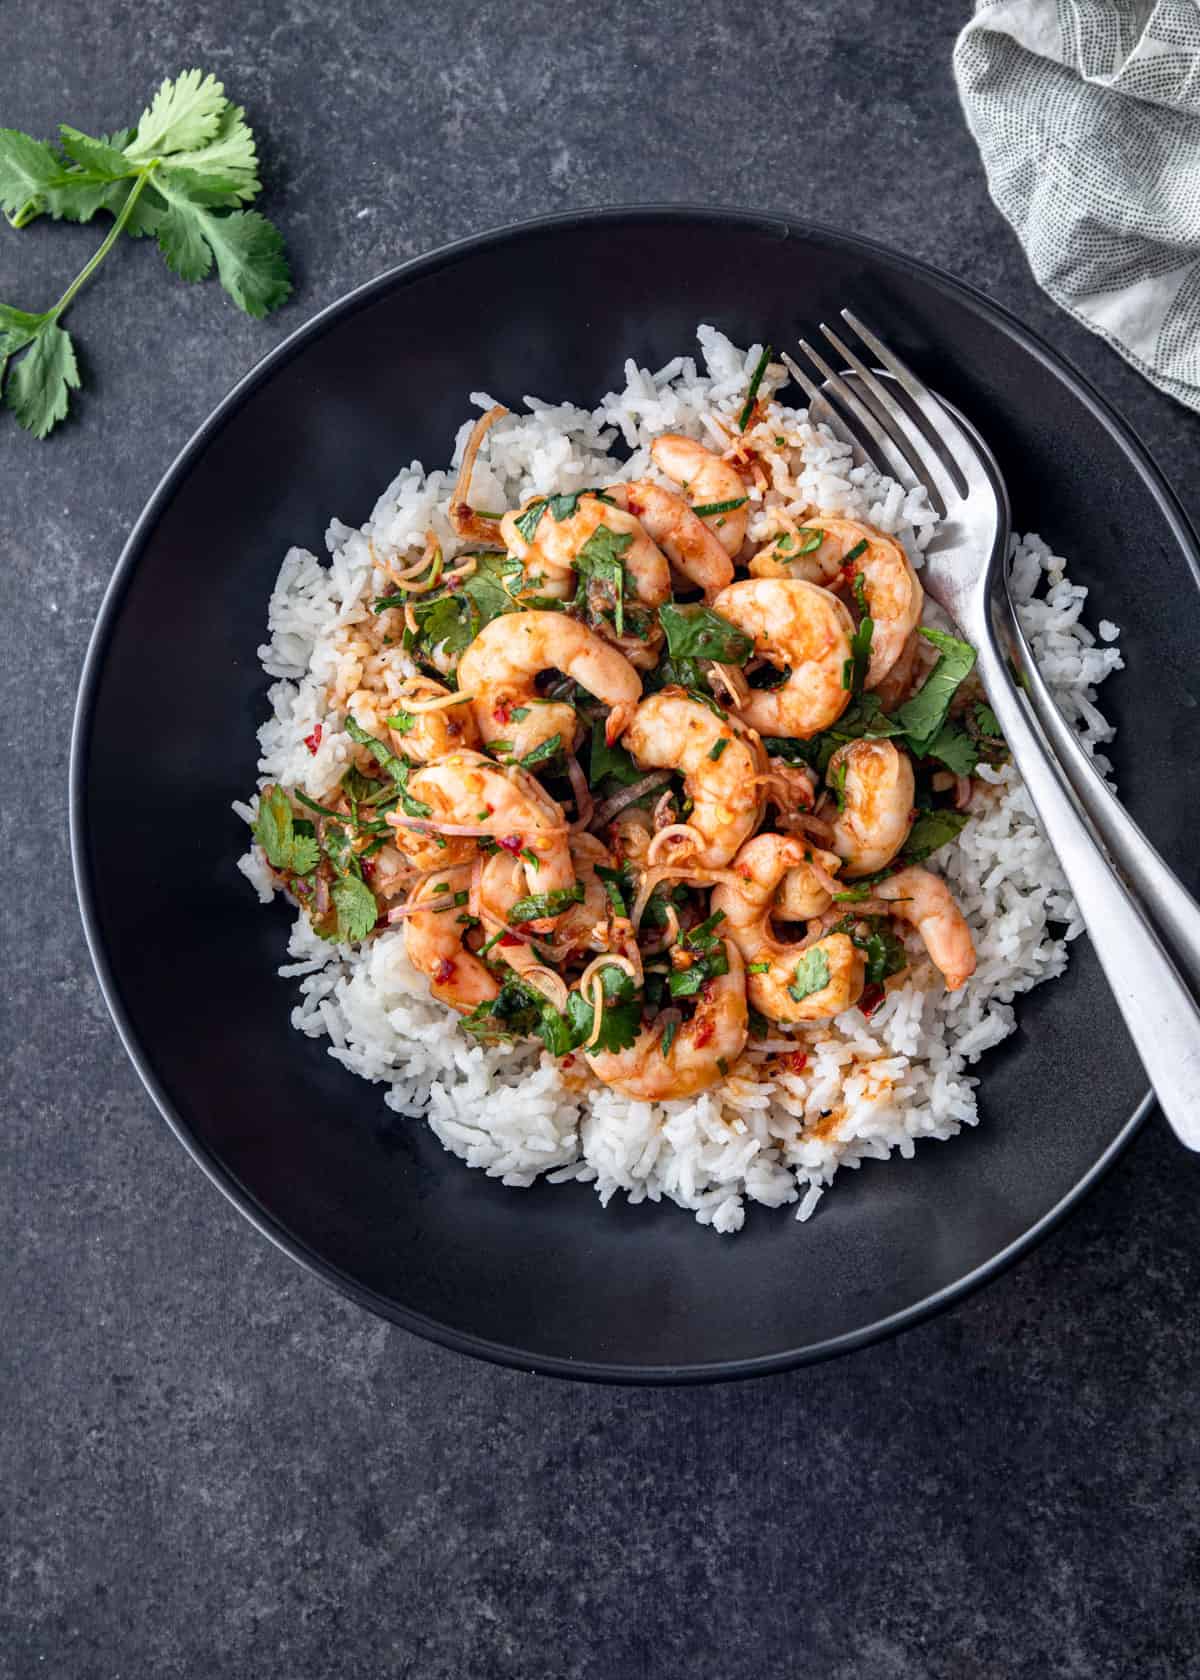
{"points": [[889, 414], [887, 458], [943, 432]]}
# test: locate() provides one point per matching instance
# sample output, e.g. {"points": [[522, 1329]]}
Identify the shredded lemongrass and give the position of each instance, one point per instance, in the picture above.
{"points": [[551, 985], [466, 522], [680, 872], [584, 803], [731, 680], [439, 703], [675, 835], [611, 807]]}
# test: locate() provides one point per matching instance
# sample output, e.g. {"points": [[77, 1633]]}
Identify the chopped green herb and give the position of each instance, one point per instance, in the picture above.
{"points": [[531, 857], [357, 911], [532, 909], [709, 508], [402, 722], [616, 884], [955, 748], [612, 760], [985, 720], [854, 671], [758, 968], [756, 1022], [756, 379], [718, 747], [276, 832], [668, 1037], [922, 717], [813, 538], [549, 749], [600, 561], [527, 522], [699, 633], [622, 1017], [518, 713], [709, 704], [811, 975], [931, 831]]}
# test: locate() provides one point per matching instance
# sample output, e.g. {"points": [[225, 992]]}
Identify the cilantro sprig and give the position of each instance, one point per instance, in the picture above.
{"points": [[184, 176]]}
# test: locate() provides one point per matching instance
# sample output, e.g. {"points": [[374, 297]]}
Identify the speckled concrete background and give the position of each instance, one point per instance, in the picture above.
{"points": [[209, 1464]]}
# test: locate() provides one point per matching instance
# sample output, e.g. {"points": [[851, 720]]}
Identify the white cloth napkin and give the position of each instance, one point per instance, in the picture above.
{"points": [[1087, 116]]}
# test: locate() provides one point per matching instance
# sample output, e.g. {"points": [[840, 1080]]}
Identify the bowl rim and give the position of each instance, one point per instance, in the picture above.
{"points": [[295, 343]]}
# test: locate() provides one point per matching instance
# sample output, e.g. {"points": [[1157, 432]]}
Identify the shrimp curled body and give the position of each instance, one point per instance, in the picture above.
{"points": [[762, 863], [723, 767], [433, 939], [708, 481], [806, 631], [501, 664], [700, 1053], [877, 790], [923, 900], [689, 544], [555, 543]]}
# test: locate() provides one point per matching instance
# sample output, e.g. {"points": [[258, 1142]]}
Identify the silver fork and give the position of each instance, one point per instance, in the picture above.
{"points": [[876, 411]]}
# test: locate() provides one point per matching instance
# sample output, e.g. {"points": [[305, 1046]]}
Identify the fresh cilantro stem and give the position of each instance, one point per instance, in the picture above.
{"points": [[110, 239]]}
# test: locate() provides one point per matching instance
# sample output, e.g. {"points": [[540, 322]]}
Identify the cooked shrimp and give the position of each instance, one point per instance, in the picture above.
{"points": [[583, 926], [876, 788], [508, 805], [499, 668], [806, 890], [708, 481], [433, 939], [700, 1052], [723, 767], [555, 543], [430, 732], [924, 901], [891, 588], [836, 983], [682, 535], [804, 630]]}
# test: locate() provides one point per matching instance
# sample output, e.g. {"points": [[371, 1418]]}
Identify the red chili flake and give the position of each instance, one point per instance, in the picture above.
{"points": [[704, 1033], [568, 1061], [444, 971], [367, 865], [509, 939], [635, 508], [313, 741], [511, 843], [301, 887], [795, 1061], [873, 995], [502, 711]]}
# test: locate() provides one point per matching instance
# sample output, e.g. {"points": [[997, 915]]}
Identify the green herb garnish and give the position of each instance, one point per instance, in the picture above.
{"points": [[931, 831], [600, 560], [183, 175], [718, 747], [533, 908], [699, 633], [922, 717], [549, 748], [275, 830], [756, 379], [709, 508], [811, 974]]}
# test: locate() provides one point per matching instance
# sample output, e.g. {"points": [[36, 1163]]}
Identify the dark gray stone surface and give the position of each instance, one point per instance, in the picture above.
{"points": [[212, 1466]]}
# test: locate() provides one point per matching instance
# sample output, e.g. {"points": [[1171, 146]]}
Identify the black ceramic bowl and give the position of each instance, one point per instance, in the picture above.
{"points": [[172, 694]]}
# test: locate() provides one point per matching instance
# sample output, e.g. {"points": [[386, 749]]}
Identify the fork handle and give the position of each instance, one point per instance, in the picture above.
{"points": [[1160, 1013], [1161, 891]]}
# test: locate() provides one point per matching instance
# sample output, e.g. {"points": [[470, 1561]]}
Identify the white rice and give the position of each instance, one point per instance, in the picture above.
{"points": [[869, 1087]]}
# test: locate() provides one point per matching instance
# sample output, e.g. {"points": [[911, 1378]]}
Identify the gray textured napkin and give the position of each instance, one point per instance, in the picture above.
{"points": [[1087, 115]]}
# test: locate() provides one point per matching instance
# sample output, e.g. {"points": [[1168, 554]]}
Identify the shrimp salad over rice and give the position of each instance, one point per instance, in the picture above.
{"points": [[645, 824]]}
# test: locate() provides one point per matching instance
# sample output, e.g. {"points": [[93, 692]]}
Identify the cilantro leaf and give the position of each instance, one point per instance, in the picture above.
{"points": [[711, 958], [884, 954], [37, 389], [357, 911], [619, 886], [527, 522], [931, 831], [285, 844], [922, 717], [986, 722], [622, 1017], [184, 113], [27, 166], [756, 379], [391, 764], [811, 974], [520, 1011], [708, 509], [699, 633], [183, 174], [854, 672]]}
